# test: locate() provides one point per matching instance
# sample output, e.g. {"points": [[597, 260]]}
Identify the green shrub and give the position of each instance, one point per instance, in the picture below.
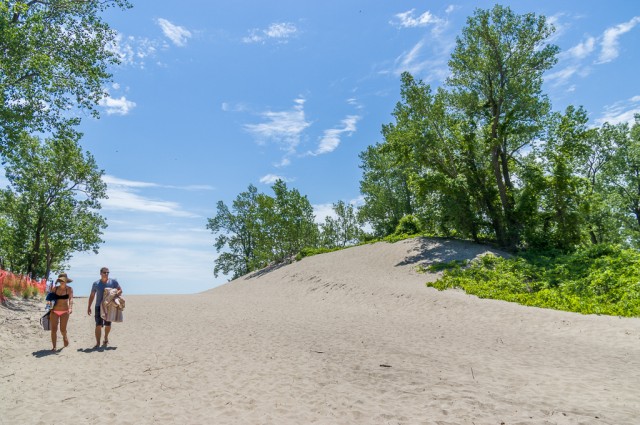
{"points": [[596, 280], [308, 252], [408, 225], [443, 265], [7, 293]]}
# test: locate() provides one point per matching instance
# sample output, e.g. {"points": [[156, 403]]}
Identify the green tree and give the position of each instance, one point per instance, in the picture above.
{"points": [[496, 82], [238, 233], [55, 55], [622, 177], [343, 230], [260, 230], [291, 222], [385, 187], [51, 204]]}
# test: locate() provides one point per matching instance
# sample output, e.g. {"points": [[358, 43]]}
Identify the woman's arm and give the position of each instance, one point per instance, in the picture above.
{"points": [[71, 301]]}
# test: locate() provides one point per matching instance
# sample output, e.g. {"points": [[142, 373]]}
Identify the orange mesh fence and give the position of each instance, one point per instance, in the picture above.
{"points": [[14, 284]]}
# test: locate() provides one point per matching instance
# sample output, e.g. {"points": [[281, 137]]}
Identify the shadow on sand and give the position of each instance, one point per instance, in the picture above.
{"points": [[44, 353], [441, 250], [94, 349]]}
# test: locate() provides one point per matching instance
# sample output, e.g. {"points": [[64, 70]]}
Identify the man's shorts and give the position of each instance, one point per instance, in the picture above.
{"points": [[99, 320]]}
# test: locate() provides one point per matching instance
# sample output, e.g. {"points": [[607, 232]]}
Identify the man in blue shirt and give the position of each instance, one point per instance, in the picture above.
{"points": [[97, 291]]}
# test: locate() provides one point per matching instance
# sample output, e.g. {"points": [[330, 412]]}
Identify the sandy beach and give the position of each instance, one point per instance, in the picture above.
{"points": [[349, 337]]}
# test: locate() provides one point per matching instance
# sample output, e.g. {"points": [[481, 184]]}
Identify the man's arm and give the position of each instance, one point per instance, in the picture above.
{"points": [[91, 297]]}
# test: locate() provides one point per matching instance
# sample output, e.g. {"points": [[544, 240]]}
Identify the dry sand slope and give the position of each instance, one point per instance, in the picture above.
{"points": [[350, 337]]}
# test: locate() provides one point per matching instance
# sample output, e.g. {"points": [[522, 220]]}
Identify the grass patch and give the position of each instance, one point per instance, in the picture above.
{"points": [[602, 279], [443, 265]]}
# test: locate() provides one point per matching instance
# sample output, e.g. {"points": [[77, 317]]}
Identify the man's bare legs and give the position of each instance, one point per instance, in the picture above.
{"points": [[107, 329]]}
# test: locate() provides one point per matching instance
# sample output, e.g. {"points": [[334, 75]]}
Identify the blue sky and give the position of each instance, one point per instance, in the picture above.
{"points": [[213, 96]]}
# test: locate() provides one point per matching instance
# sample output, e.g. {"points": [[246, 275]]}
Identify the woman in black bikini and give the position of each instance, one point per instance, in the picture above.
{"points": [[62, 308]]}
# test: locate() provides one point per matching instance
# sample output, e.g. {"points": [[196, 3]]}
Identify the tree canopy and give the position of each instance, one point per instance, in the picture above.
{"points": [[50, 209], [56, 55]]}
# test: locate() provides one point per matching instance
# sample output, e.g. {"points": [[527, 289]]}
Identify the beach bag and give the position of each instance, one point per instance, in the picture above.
{"points": [[44, 321]]}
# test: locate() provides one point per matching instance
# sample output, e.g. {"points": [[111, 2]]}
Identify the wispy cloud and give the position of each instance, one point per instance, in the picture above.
{"points": [[621, 112], [322, 211], [124, 195], [582, 50], [562, 76], [134, 51], [427, 69], [282, 127], [177, 34], [610, 37], [577, 60], [427, 58], [272, 178], [409, 20], [332, 137], [119, 106], [280, 32]]}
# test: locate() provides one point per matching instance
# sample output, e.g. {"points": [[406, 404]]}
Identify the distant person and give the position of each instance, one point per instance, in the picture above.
{"points": [[62, 299], [97, 291]]}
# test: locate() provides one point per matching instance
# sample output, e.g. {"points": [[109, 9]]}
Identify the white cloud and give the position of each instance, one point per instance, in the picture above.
{"points": [[407, 19], [451, 8], [283, 127], [272, 178], [331, 139], [610, 37], [562, 76], [133, 51], [560, 26], [177, 34], [283, 163], [120, 106], [280, 32], [621, 112], [322, 211], [123, 195], [582, 50], [428, 70]]}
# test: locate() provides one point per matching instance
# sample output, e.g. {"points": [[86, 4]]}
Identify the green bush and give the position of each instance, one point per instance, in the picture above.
{"points": [[603, 279], [6, 293], [443, 265], [408, 225], [308, 252]]}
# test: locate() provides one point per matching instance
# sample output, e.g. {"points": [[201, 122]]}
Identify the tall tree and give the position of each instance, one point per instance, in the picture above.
{"points": [[622, 177], [344, 229], [238, 234], [51, 204], [385, 187], [496, 81], [55, 55], [292, 224]]}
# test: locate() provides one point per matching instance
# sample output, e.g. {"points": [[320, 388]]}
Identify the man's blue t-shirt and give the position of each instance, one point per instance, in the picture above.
{"points": [[99, 287]]}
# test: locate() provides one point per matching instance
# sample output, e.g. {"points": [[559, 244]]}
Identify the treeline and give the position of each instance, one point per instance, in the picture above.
{"points": [[53, 68], [483, 157], [259, 229]]}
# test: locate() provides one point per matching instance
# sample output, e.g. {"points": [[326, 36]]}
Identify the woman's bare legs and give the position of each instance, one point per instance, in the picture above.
{"points": [[64, 319], [53, 321]]}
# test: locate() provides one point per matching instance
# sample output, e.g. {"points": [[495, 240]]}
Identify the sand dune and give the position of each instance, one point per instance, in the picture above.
{"points": [[349, 337]]}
